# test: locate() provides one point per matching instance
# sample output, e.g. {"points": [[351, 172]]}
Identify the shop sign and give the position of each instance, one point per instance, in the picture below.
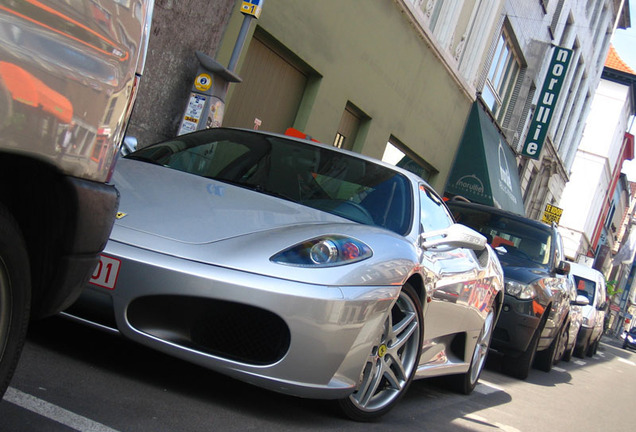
{"points": [[552, 214], [547, 102]]}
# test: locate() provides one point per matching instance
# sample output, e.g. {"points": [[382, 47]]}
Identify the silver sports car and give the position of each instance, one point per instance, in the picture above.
{"points": [[294, 266]]}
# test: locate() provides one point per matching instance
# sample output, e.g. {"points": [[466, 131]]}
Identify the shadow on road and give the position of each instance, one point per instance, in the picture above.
{"points": [[106, 364]]}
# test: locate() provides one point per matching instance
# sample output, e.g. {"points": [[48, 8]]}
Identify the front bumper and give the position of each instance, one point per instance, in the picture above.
{"points": [[517, 324], [89, 216], [301, 339]]}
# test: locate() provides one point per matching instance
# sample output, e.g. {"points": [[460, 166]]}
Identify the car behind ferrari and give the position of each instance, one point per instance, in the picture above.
{"points": [[294, 266]]}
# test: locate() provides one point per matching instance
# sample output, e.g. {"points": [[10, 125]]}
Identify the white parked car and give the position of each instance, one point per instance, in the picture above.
{"points": [[591, 284]]}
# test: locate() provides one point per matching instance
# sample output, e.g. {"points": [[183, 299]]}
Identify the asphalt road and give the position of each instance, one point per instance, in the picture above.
{"points": [[74, 378]]}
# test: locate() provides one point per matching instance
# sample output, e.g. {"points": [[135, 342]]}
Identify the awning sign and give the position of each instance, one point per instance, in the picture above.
{"points": [[485, 168], [547, 102], [552, 214]]}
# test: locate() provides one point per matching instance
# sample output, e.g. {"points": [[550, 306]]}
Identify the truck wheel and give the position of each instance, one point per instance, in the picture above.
{"points": [[15, 296]]}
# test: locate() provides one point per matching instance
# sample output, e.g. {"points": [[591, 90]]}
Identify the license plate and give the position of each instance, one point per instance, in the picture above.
{"points": [[106, 272]]}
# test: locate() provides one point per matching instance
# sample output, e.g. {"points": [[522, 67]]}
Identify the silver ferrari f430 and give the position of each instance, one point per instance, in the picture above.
{"points": [[295, 266]]}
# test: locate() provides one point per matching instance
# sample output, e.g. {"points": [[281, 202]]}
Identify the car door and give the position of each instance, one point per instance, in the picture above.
{"points": [[459, 289]]}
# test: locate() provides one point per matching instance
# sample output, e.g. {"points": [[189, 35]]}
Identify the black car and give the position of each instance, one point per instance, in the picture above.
{"points": [[630, 339], [534, 323]]}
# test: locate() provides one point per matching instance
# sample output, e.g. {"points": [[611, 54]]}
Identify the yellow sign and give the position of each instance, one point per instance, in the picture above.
{"points": [[203, 82], [552, 214], [252, 7]]}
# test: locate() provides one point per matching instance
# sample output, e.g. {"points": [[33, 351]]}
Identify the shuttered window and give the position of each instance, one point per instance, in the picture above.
{"points": [[503, 77]]}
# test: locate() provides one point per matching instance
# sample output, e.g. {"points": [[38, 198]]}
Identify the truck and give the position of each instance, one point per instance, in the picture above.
{"points": [[69, 74]]}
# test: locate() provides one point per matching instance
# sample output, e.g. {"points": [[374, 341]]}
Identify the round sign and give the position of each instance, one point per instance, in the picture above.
{"points": [[203, 82]]}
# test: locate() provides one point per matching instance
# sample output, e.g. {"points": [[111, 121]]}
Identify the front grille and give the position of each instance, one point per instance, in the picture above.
{"points": [[225, 329]]}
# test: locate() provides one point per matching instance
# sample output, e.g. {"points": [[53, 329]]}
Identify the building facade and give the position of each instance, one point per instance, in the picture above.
{"points": [[589, 226], [585, 28], [414, 82], [382, 78]]}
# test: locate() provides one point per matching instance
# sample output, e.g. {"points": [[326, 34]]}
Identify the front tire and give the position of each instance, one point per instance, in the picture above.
{"points": [[547, 358], [391, 365], [15, 296], [593, 348]]}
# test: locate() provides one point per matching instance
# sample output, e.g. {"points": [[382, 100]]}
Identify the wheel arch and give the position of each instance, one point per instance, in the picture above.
{"points": [[61, 221]]}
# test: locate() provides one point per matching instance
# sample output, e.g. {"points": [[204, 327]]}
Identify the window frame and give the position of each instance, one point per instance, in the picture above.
{"points": [[503, 73]]}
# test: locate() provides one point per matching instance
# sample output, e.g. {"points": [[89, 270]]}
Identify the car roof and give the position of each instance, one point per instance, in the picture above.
{"points": [[585, 271], [489, 209]]}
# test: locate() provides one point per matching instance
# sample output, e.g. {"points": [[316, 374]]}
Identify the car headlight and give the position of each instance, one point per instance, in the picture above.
{"points": [[630, 339], [520, 290], [324, 252]]}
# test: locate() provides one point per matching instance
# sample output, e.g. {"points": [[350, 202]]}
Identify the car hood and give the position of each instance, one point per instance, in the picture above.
{"points": [[523, 271], [172, 205]]}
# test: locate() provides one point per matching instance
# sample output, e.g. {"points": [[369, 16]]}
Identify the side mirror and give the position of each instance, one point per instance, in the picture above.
{"points": [[455, 236], [563, 268], [129, 145], [581, 300]]}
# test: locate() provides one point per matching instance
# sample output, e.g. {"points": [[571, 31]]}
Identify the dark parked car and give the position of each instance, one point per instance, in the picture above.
{"points": [[534, 324], [69, 71], [630, 339]]}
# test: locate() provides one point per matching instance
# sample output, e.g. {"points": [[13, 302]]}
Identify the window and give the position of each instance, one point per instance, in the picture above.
{"points": [[502, 77], [350, 122], [433, 213], [397, 154]]}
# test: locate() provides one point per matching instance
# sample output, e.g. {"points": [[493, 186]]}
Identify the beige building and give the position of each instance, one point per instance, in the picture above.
{"points": [[381, 78]]}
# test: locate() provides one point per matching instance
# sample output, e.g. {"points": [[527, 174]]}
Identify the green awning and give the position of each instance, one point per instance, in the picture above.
{"points": [[485, 168]]}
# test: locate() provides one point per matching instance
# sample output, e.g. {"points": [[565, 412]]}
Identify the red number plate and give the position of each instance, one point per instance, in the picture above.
{"points": [[106, 272]]}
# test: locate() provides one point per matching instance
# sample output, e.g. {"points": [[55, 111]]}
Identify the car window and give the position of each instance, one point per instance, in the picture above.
{"points": [[512, 237], [585, 287], [315, 176], [433, 212]]}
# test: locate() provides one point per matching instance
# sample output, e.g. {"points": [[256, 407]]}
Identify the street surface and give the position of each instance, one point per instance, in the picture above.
{"points": [[75, 378]]}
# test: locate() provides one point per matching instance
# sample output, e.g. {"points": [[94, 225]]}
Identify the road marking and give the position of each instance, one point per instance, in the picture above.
{"points": [[629, 362], [580, 362], [558, 369], [474, 418], [485, 388], [54, 412]]}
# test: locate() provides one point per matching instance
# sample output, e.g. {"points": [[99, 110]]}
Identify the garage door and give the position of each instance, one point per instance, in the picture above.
{"points": [[270, 93]]}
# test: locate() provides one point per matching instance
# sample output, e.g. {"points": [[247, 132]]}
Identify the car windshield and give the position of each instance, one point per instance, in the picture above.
{"points": [[312, 175], [585, 287], [513, 239]]}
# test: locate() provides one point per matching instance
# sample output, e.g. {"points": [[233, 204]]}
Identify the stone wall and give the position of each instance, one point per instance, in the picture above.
{"points": [[179, 28]]}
